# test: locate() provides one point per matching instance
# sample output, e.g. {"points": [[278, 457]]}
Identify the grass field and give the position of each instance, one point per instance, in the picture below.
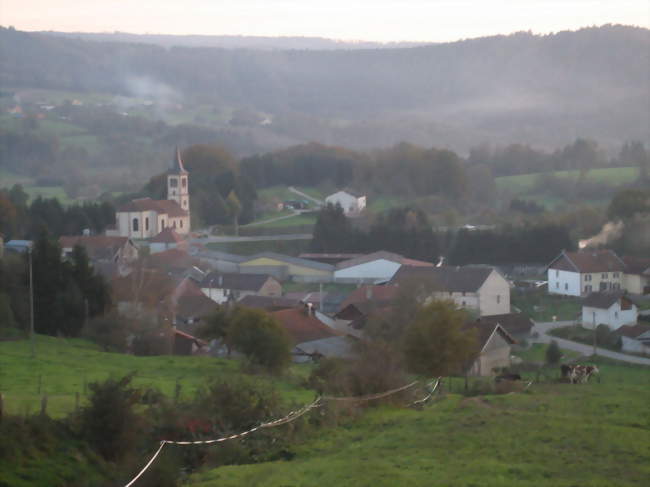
{"points": [[294, 221], [63, 366], [555, 435], [541, 306], [610, 175]]}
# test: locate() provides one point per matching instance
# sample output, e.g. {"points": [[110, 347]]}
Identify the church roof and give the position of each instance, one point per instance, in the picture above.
{"points": [[170, 207], [177, 164]]}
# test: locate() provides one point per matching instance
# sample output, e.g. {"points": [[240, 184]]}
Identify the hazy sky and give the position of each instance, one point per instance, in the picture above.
{"points": [[380, 20]]}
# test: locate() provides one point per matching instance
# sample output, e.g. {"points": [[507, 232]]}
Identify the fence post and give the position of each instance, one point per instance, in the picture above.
{"points": [[43, 404], [1, 405]]}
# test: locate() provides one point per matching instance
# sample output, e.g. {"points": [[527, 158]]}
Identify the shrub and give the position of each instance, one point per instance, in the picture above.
{"points": [[553, 353]]}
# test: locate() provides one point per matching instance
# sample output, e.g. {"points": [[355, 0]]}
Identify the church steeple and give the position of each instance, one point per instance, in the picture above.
{"points": [[177, 183]]}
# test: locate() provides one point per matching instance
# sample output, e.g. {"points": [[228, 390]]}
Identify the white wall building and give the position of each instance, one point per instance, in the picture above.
{"points": [[144, 217], [581, 273], [611, 309], [375, 267], [352, 202]]}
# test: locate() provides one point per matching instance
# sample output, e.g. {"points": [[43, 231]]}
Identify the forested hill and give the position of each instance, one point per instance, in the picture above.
{"points": [[522, 87]]}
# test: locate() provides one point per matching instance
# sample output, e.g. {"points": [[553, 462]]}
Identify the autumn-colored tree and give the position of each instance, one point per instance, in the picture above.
{"points": [[435, 344]]}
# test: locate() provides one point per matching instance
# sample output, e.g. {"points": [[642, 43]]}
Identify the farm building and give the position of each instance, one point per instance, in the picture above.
{"points": [[613, 309], [352, 202], [495, 346], [635, 338], [479, 288], [283, 267], [221, 287], [636, 279], [375, 267], [581, 273]]}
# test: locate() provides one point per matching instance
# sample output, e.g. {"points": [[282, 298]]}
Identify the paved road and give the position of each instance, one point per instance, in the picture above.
{"points": [[256, 238], [543, 337], [306, 196]]}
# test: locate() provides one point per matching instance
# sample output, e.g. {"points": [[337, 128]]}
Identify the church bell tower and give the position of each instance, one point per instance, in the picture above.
{"points": [[178, 188]]}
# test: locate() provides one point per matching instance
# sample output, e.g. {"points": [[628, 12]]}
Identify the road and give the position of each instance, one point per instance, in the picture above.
{"points": [[543, 328], [306, 196], [256, 238]]}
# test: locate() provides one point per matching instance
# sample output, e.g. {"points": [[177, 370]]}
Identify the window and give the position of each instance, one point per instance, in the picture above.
{"points": [[136, 225], [163, 224], [604, 275], [587, 277], [173, 182], [181, 223], [498, 298], [566, 286], [587, 289], [463, 303], [615, 275], [184, 182], [615, 314], [146, 224], [557, 273]]}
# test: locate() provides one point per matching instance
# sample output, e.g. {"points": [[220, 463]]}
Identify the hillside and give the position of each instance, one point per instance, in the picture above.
{"points": [[556, 435], [525, 88]]}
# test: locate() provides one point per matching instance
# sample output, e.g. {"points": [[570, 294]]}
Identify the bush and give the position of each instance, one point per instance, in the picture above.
{"points": [[109, 331], [261, 338], [109, 422], [553, 353]]}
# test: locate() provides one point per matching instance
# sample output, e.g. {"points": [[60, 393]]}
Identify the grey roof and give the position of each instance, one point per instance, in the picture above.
{"points": [[177, 164], [268, 302], [292, 260], [338, 346], [602, 300], [217, 255], [514, 323], [239, 282], [447, 278]]}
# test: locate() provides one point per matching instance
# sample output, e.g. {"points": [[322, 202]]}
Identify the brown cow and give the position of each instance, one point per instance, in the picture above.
{"points": [[578, 374]]}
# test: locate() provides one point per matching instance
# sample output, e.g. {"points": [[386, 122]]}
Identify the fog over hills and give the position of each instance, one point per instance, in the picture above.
{"points": [[544, 90]]}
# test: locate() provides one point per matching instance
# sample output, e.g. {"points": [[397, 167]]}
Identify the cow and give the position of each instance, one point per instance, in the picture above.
{"points": [[578, 374]]}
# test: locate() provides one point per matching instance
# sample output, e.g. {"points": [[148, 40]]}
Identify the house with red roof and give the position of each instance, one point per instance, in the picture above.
{"points": [[165, 240]]}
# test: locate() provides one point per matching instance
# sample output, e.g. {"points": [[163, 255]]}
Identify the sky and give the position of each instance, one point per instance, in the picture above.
{"points": [[372, 20]]}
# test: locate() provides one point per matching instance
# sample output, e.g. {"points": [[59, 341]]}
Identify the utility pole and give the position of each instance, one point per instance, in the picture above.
{"points": [[31, 304], [594, 335]]}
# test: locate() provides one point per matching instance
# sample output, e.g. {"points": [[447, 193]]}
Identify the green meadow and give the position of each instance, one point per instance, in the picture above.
{"points": [[63, 367], [553, 435]]}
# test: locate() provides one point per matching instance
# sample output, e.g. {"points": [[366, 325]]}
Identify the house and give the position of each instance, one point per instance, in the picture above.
{"points": [[18, 246], [165, 240], [494, 348], [613, 309], [584, 272], [221, 287], [636, 279], [326, 302], [479, 288], [353, 318], [101, 248], [191, 309], [375, 267], [352, 202], [311, 338], [268, 303], [283, 267], [326, 258], [373, 293], [145, 218], [517, 325], [635, 338]]}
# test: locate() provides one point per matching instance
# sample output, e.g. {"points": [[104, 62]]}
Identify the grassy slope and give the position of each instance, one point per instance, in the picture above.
{"points": [[542, 307], [65, 365], [557, 435], [612, 175]]}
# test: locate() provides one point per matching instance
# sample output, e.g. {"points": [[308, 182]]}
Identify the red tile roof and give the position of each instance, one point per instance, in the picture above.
{"points": [[588, 261], [170, 207], [168, 235], [371, 293], [301, 326]]}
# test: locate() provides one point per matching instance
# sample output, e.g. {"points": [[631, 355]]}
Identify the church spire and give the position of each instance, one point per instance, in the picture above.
{"points": [[177, 165]]}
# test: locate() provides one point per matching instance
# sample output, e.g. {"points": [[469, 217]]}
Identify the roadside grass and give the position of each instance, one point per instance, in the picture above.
{"points": [[541, 306], [294, 221], [555, 435], [536, 353], [64, 366], [287, 247]]}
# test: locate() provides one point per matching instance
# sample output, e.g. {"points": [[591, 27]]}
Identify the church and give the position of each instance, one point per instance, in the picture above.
{"points": [[145, 218]]}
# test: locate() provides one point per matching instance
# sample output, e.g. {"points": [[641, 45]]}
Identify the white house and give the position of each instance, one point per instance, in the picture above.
{"points": [[581, 273], [479, 288], [635, 338], [352, 202], [145, 218], [613, 309], [375, 267]]}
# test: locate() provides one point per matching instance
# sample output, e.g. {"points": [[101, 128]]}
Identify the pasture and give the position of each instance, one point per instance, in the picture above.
{"points": [[63, 367], [553, 435], [611, 175]]}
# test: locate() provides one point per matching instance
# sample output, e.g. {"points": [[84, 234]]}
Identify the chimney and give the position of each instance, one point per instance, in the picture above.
{"points": [[369, 293]]}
